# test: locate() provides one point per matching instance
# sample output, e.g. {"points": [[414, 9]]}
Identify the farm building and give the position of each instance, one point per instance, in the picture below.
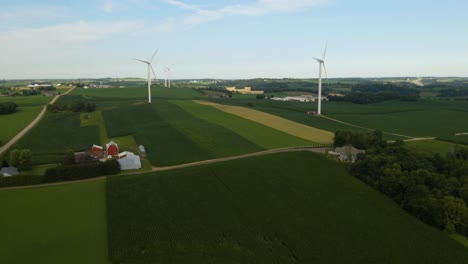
{"points": [[112, 149], [142, 150], [302, 98], [347, 153], [96, 149], [129, 161], [9, 171]]}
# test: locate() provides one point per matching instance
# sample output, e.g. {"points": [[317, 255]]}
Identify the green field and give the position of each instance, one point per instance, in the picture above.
{"points": [[431, 146], [263, 136], [282, 208], [28, 109], [173, 136], [55, 224]]}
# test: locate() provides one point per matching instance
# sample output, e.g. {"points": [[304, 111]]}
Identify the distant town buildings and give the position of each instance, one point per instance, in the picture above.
{"points": [[245, 90]]}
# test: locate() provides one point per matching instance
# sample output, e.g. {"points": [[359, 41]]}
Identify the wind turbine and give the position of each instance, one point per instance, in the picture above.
{"points": [[150, 69], [168, 77], [165, 75], [321, 65]]}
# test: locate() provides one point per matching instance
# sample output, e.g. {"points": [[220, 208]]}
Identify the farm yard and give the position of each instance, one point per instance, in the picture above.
{"points": [[281, 208]]}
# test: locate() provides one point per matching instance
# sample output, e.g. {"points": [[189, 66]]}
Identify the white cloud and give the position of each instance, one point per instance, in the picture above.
{"points": [[291, 5], [257, 8], [108, 6]]}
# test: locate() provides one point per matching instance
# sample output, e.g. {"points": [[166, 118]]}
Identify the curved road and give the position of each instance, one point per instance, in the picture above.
{"points": [[192, 164], [31, 125]]}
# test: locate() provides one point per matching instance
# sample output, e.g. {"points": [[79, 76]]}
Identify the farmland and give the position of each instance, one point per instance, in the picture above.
{"points": [[283, 208], [415, 119], [55, 224], [28, 108], [48, 144]]}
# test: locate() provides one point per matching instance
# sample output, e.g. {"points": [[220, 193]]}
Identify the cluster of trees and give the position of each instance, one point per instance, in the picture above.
{"points": [[78, 106], [367, 93], [20, 158], [7, 108], [81, 171], [360, 140], [434, 188]]}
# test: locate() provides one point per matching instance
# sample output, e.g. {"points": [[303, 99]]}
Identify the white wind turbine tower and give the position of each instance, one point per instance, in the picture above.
{"points": [[168, 77], [321, 65], [165, 75], [150, 69]]}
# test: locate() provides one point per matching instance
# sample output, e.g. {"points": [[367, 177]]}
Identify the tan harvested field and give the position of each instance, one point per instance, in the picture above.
{"points": [[279, 123]]}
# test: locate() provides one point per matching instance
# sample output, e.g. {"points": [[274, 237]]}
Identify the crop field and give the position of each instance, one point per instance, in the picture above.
{"points": [[58, 133], [262, 135], [173, 136], [296, 129], [54, 224], [282, 208], [415, 119]]}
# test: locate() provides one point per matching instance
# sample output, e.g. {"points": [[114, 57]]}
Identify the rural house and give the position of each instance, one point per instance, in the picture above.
{"points": [[112, 149], [129, 161], [9, 171], [347, 153]]}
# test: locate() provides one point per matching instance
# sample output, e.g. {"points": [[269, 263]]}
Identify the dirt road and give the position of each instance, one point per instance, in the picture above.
{"points": [[31, 125], [192, 164]]}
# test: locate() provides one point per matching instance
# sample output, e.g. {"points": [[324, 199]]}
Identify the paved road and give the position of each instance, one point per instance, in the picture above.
{"points": [[192, 164], [31, 125]]}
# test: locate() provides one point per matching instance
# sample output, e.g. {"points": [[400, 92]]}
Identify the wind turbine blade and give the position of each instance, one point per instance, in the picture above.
{"points": [[318, 60], [154, 55], [154, 74], [142, 61], [325, 51], [326, 74]]}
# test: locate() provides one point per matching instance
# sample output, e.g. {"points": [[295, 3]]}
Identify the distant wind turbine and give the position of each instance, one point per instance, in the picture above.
{"points": [[168, 77], [321, 65], [150, 69]]}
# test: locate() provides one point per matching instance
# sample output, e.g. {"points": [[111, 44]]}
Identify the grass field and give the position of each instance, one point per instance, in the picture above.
{"points": [[431, 146], [283, 208], [295, 129], [55, 224], [28, 109]]}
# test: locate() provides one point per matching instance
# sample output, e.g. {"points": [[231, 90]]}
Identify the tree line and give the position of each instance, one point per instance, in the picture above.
{"points": [[7, 108], [432, 187], [369, 92], [77, 106]]}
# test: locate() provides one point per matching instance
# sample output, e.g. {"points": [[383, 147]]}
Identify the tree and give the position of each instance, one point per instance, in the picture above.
{"points": [[21, 158]]}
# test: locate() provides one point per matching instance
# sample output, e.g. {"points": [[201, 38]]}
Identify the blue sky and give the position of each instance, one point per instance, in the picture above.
{"points": [[233, 38]]}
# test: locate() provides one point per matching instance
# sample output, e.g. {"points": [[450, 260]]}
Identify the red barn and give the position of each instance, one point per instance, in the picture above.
{"points": [[112, 149], [96, 149]]}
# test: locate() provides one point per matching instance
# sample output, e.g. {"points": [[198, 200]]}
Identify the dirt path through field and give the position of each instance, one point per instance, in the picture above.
{"points": [[370, 129], [31, 125]]}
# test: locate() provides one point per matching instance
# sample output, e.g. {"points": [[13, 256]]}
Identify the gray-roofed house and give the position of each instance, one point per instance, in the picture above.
{"points": [[9, 171], [129, 161], [348, 153]]}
